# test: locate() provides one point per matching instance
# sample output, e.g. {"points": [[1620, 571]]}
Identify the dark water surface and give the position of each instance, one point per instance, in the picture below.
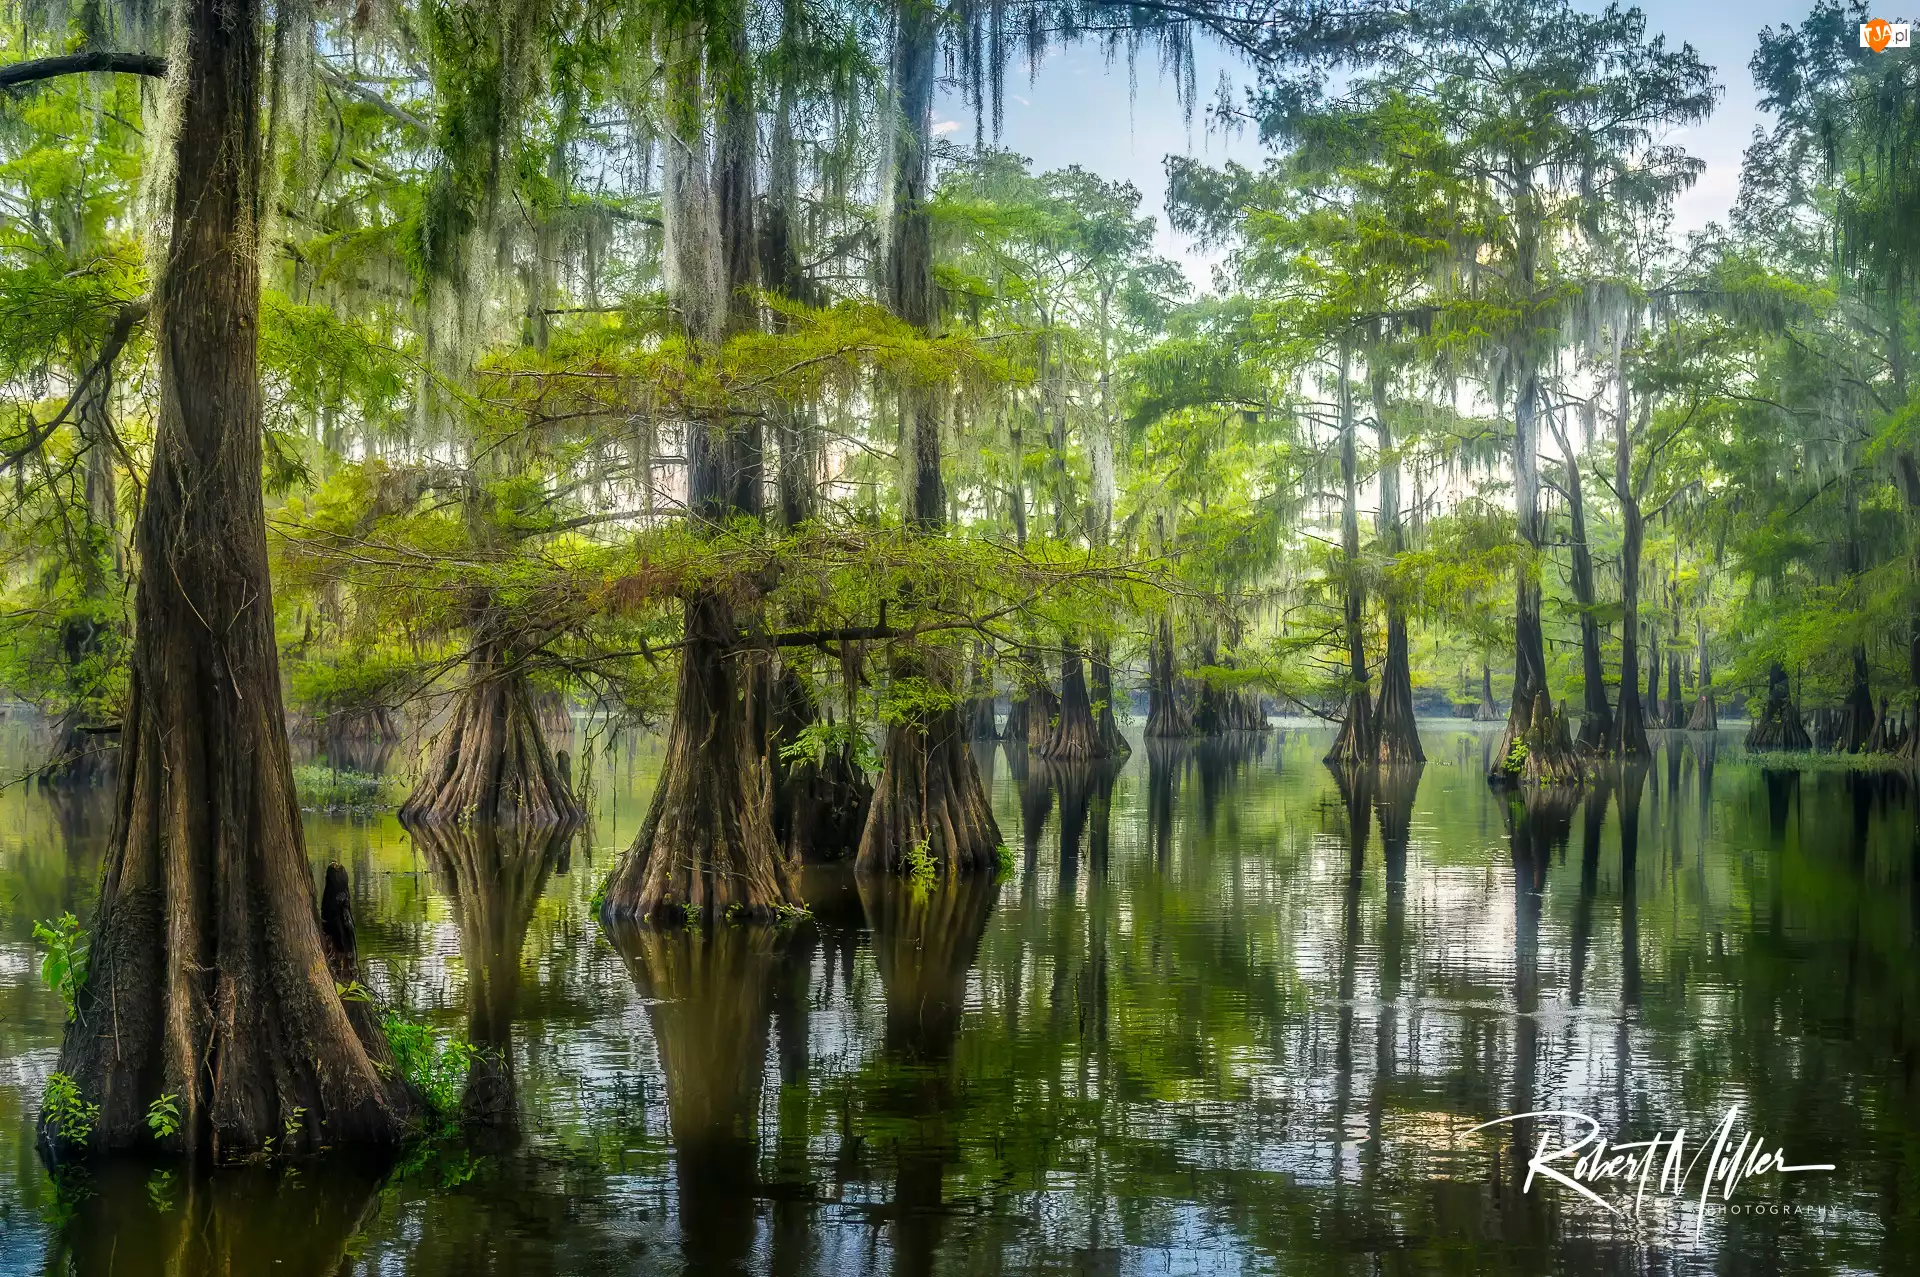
{"points": [[1226, 1015]]}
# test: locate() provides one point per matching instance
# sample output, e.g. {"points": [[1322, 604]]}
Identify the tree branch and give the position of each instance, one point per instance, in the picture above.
{"points": [[37, 69]]}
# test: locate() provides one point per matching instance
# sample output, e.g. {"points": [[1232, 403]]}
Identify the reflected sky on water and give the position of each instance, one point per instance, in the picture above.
{"points": [[1229, 1013]]}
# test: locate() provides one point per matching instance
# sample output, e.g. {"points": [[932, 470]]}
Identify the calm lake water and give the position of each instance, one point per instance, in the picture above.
{"points": [[1225, 1016]]}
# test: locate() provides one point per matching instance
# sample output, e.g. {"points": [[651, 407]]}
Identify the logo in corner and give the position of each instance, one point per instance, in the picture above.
{"points": [[1881, 35]]}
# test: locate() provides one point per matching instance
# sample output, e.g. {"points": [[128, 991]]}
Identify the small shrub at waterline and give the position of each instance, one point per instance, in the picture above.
{"points": [[327, 789], [68, 1114], [163, 1117], [917, 862], [1003, 858], [64, 968], [436, 1070]]}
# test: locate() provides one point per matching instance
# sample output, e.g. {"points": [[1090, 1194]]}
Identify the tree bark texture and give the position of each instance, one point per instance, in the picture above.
{"points": [[1778, 725], [1353, 745], [1167, 718], [1529, 646], [1074, 735], [1396, 733], [491, 763], [929, 796], [209, 976]]}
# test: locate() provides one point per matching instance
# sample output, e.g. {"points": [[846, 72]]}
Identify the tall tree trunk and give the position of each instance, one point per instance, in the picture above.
{"points": [[1099, 534], [1706, 713], [1530, 661], [978, 711], [929, 796], [491, 762], [1651, 706], [1106, 725], [1488, 710], [1353, 746], [209, 977], [1396, 734], [1630, 725], [1856, 711], [706, 847], [1596, 718], [820, 802]]}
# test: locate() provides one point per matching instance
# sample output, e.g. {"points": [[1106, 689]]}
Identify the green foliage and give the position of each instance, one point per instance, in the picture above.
{"points": [[62, 1106], [163, 1117], [436, 1070], [1516, 760], [63, 968], [332, 790], [917, 863], [1003, 859], [823, 737]]}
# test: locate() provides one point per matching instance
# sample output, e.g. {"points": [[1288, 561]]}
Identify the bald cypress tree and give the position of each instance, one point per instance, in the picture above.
{"points": [[210, 979]]}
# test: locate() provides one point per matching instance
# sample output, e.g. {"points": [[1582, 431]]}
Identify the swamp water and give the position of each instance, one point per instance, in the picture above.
{"points": [[1226, 1015]]}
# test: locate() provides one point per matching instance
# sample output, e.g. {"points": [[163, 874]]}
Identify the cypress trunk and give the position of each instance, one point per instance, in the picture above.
{"points": [[1856, 711], [1074, 735], [1778, 725], [1706, 714], [1106, 724], [1488, 711], [1651, 706], [978, 711], [1166, 716], [706, 848], [1596, 717], [1630, 725], [1396, 734], [929, 797], [1353, 746], [1676, 715], [491, 762], [210, 980], [1530, 654]]}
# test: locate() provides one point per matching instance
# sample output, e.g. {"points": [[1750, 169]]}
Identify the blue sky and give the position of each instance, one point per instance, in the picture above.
{"points": [[1080, 110]]}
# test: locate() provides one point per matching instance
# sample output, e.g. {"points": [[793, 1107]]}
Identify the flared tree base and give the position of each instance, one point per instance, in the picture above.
{"points": [[929, 808], [1538, 751], [491, 763], [1354, 746], [706, 849]]}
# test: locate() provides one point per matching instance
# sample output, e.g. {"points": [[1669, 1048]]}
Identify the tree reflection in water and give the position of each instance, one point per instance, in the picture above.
{"points": [[492, 876], [709, 994], [1222, 1017], [925, 940]]}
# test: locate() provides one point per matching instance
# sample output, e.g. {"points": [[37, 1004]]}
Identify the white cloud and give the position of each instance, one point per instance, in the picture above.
{"points": [[945, 126]]}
